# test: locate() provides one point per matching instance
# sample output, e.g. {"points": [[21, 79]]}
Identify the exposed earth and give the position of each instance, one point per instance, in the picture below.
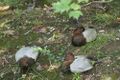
{"points": [[42, 27]]}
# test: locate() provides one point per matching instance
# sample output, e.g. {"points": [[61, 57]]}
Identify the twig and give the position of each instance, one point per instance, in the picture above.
{"points": [[95, 2]]}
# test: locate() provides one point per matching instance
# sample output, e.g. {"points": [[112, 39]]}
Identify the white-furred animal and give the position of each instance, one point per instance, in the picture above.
{"points": [[90, 34], [76, 64], [81, 36], [26, 57], [80, 64]]}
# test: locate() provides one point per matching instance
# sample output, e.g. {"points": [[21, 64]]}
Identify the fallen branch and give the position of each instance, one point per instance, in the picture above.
{"points": [[96, 2]]}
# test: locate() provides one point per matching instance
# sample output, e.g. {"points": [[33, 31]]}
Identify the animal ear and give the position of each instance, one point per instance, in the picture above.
{"points": [[79, 30], [82, 28]]}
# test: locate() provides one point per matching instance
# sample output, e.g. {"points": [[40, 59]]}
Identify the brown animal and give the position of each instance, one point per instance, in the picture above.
{"points": [[77, 64], [69, 58], [26, 57], [78, 39], [25, 63], [81, 36]]}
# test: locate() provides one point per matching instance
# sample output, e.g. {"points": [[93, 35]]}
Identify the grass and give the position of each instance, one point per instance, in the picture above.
{"points": [[97, 44], [103, 18], [76, 76], [23, 23]]}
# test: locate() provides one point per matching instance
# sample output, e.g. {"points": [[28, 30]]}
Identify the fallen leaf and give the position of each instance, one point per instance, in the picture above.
{"points": [[101, 31], [53, 66], [4, 8], [3, 50], [9, 32], [40, 29]]}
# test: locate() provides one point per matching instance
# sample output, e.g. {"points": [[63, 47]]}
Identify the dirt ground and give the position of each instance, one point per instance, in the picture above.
{"points": [[42, 27]]}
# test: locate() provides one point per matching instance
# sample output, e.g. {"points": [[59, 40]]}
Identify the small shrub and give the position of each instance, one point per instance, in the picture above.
{"points": [[69, 7], [46, 52]]}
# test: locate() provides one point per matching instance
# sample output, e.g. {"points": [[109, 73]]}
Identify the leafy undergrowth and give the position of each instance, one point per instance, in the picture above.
{"points": [[43, 28]]}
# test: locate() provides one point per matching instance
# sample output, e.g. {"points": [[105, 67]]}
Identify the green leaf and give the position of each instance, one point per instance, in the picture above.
{"points": [[75, 6], [62, 6], [57, 7], [65, 5], [75, 14], [83, 1], [65, 1], [38, 49]]}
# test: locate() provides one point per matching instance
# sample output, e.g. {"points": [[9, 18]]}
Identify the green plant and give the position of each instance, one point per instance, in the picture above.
{"points": [[10, 2], [16, 3], [103, 18], [76, 76], [69, 7], [46, 52]]}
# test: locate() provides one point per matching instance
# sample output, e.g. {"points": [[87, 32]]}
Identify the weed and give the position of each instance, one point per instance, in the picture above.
{"points": [[72, 9], [103, 18], [76, 76]]}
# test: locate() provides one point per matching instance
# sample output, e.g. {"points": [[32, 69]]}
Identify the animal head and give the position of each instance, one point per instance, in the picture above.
{"points": [[69, 58], [25, 63], [78, 39], [78, 30]]}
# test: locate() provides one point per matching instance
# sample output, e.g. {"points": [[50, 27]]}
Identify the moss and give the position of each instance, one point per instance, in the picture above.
{"points": [[104, 19]]}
